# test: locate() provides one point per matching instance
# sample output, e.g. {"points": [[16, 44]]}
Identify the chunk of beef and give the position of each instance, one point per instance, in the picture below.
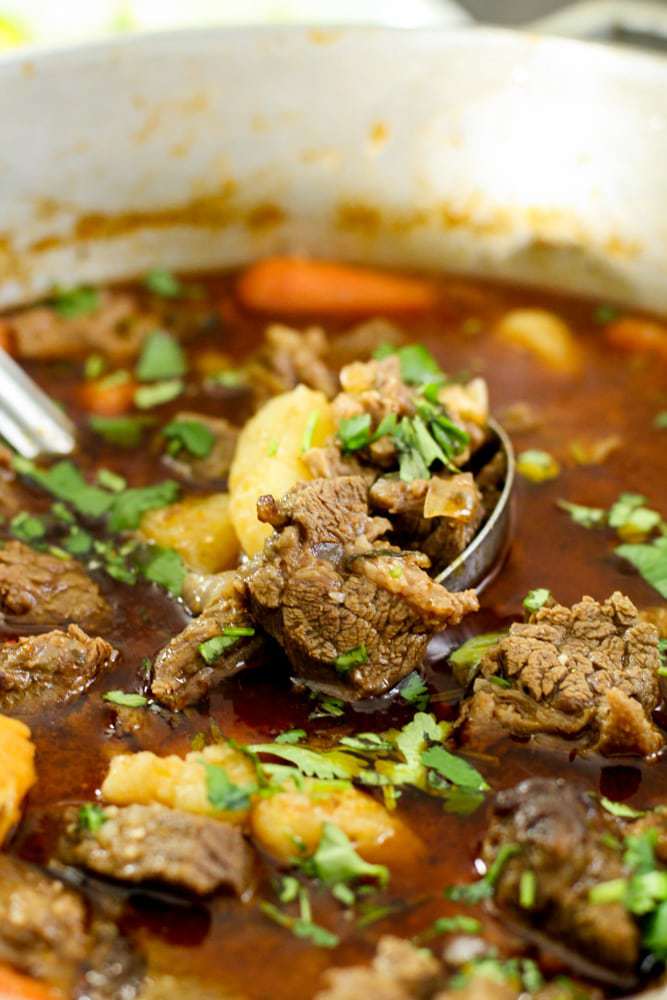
{"points": [[42, 925], [289, 357], [214, 466], [560, 836], [399, 971], [410, 505], [373, 387], [113, 969], [328, 588], [146, 843], [362, 341], [53, 667], [181, 675], [116, 328], [589, 671], [42, 589]]}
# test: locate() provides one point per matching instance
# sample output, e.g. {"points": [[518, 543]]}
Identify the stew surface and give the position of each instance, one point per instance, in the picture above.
{"points": [[584, 418]]}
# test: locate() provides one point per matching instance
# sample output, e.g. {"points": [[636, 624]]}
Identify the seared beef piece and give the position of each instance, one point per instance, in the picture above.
{"points": [[53, 667], [588, 671], [42, 925], [442, 538], [376, 388], [215, 466], [289, 357], [181, 676], [42, 589], [361, 342], [113, 970], [326, 585], [329, 462], [399, 971], [491, 479], [560, 833], [151, 843], [116, 328]]}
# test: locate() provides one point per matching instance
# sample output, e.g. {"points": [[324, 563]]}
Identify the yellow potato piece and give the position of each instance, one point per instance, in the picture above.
{"points": [[177, 782], [199, 528], [268, 457], [17, 771], [544, 334], [290, 823]]}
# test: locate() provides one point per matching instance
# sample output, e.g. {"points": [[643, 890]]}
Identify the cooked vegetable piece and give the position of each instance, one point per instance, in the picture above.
{"points": [[543, 334], [110, 396], [295, 285], [199, 528], [17, 771]]}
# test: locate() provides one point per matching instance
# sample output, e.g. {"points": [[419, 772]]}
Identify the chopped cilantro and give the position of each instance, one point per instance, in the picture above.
{"points": [[353, 658], [222, 793], [91, 817], [191, 435], [212, 649], [64, 481], [336, 860], [162, 357], [537, 466], [128, 699], [650, 559], [111, 481], [655, 933], [585, 517], [165, 567], [288, 889], [454, 769], [163, 283], [458, 799], [327, 766], [527, 889], [311, 424], [94, 366], [291, 736], [604, 314], [355, 432], [73, 302], [415, 692], [129, 506], [475, 892], [660, 421], [62, 513], [27, 527], [272, 448], [499, 681], [119, 377], [126, 432], [229, 378], [458, 924], [148, 396], [77, 541], [535, 599], [466, 659], [328, 706], [620, 809], [418, 366], [301, 928], [343, 894], [631, 518]]}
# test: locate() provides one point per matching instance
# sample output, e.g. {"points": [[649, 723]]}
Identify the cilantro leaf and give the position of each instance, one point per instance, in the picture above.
{"points": [[128, 699], [327, 766], [455, 769], [212, 649], [650, 559], [537, 466], [336, 860], [475, 892], [163, 283], [585, 517], [166, 568], [91, 817], [355, 432], [660, 421], [126, 432], [620, 809], [27, 527], [192, 435], [148, 396], [415, 692], [77, 541], [128, 507], [63, 480], [222, 793], [291, 736], [73, 302], [353, 658], [301, 928], [535, 599], [162, 357], [466, 659]]}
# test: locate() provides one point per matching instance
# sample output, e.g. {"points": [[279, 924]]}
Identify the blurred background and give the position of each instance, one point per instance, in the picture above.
{"points": [[39, 22]]}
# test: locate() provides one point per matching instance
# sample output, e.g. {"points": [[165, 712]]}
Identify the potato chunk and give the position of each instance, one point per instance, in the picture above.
{"points": [[199, 528], [543, 334], [17, 771], [269, 457], [290, 823], [178, 782]]}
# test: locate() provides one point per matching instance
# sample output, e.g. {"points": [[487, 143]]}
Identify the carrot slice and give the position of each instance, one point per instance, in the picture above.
{"points": [[295, 285], [14, 986], [106, 397], [631, 333]]}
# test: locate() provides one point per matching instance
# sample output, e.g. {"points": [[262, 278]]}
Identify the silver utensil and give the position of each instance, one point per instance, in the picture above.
{"points": [[477, 565], [29, 421]]}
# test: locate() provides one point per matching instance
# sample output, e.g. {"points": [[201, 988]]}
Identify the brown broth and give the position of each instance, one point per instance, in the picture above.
{"points": [[231, 943]]}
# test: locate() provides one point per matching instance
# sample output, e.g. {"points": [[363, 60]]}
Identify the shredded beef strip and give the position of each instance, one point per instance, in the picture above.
{"points": [[181, 676], [589, 671], [54, 667], [42, 589], [327, 584], [152, 843], [560, 835]]}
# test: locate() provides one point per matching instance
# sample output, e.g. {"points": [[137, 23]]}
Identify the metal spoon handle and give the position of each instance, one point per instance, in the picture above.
{"points": [[29, 421]]}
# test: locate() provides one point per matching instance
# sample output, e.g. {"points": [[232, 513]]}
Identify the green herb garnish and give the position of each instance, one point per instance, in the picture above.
{"points": [[336, 860], [63, 480], [129, 506], [650, 560], [212, 649], [94, 366], [222, 793], [353, 658], [126, 432], [311, 424], [585, 517], [536, 599], [191, 435], [91, 817], [148, 396], [166, 568], [27, 527], [415, 692], [163, 283], [475, 892], [128, 699], [162, 357], [73, 302]]}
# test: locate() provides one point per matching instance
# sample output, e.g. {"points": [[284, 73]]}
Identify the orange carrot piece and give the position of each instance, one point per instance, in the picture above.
{"points": [[631, 333], [6, 340], [295, 285], [14, 986], [107, 398]]}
